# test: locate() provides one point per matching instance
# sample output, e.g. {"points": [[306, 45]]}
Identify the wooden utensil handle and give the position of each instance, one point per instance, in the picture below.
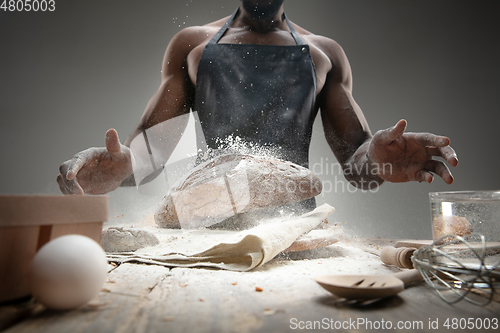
{"points": [[409, 276], [400, 257]]}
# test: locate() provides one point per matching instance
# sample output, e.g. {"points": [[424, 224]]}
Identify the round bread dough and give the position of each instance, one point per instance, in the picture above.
{"points": [[233, 184]]}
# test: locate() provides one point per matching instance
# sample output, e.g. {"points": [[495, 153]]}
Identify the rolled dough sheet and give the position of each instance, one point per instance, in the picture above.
{"points": [[316, 239], [243, 251]]}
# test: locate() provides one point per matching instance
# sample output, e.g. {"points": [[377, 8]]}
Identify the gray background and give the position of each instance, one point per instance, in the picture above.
{"points": [[68, 76]]}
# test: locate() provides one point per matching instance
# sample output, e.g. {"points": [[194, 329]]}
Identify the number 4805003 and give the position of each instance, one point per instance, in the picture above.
{"points": [[28, 5]]}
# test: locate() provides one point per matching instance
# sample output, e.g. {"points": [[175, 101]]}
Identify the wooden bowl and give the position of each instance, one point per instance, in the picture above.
{"points": [[27, 222]]}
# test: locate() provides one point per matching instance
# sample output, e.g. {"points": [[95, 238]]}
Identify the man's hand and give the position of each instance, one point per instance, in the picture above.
{"points": [[402, 157], [97, 170]]}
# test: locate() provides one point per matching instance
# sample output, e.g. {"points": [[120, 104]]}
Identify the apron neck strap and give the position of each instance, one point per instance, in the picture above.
{"points": [[215, 39], [295, 34], [218, 35]]}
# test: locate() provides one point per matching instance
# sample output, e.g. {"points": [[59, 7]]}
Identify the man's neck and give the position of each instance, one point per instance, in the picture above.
{"points": [[261, 25]]}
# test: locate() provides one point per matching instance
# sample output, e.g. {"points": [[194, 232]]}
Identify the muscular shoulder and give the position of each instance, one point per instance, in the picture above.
{"points": [[341, 69], [330, 47], [183, 43], [327, 45], [330, 59], [186, 47], [192, 36]]}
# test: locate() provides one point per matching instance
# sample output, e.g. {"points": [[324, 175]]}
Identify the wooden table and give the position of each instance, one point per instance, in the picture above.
{"points": [[280, 296]]}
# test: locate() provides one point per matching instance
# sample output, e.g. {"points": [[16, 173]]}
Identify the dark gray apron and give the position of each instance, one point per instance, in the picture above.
{"points": [[263, 94]]}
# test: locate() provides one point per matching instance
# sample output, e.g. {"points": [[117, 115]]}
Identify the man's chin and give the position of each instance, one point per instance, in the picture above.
{"points": [[259, 10]]}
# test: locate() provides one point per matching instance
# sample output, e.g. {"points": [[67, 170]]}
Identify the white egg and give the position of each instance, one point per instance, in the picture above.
{"points": [[67, 272]]}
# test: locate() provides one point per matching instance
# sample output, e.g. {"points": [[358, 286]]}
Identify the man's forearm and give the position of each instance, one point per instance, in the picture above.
{"points": [[360, 171]]}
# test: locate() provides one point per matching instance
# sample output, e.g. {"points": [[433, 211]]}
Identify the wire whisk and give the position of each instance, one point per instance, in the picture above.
{"points": [[459, 268]]}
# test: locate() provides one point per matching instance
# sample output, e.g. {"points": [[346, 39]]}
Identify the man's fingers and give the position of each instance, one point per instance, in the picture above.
{"points": [[425, 176], [447, 153], [71, 168], [69, 186], [68, 171], [440, 169], [113, 145], [62, 186], [429, 139], [389, 135]]}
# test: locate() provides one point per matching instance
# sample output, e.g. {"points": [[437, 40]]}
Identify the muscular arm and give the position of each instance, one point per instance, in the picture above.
{"points": [[175, 94], [390, 154], [99, 170], [346, 129]]}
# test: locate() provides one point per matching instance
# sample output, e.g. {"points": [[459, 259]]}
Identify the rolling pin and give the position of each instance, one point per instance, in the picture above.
{"points": [[399, 257]]}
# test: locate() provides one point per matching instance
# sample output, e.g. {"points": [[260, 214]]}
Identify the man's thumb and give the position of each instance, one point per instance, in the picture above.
{"points": [[113, 145], [389, 135], [397, 130]]}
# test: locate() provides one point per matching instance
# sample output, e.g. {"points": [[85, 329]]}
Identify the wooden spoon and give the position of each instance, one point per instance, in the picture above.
{"points": [[366, 287]]}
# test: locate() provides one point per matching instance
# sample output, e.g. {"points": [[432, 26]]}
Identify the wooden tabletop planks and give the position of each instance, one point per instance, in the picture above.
{"points": [[276, 297]]}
